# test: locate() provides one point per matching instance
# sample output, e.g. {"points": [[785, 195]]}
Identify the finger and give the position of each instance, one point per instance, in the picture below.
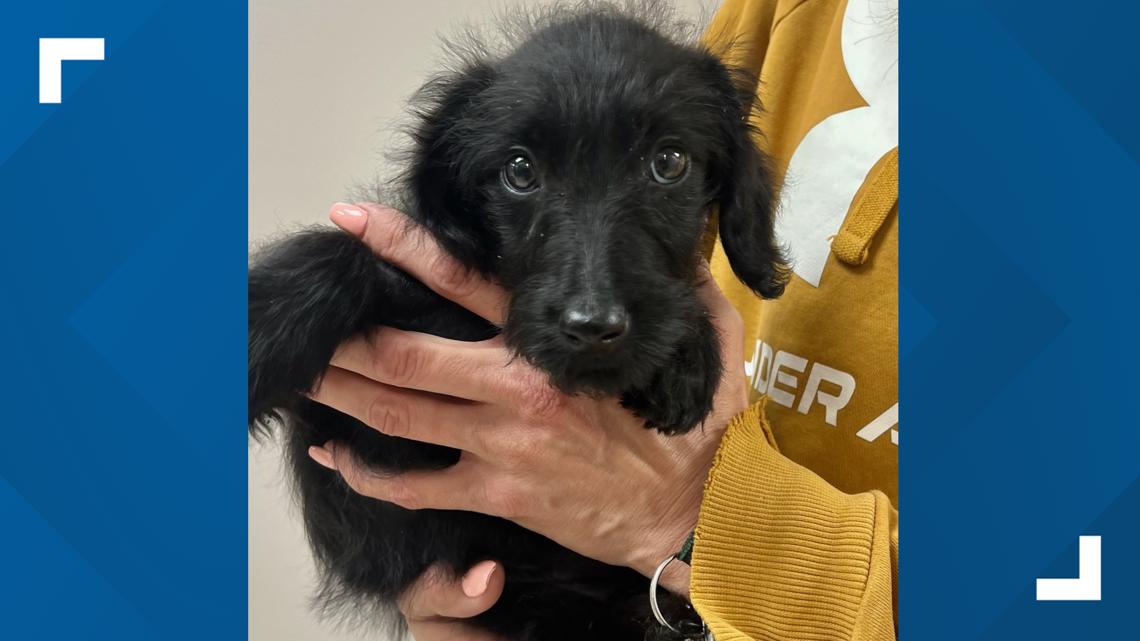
{"points": [[714, 299], [459, 487], [725, 317], [438, 594], [477, 371], [730, 332], [394, 237], [403, 413]]}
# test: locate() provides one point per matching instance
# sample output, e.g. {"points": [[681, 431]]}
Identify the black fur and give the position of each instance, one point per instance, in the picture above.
{"points": [[590, 94]]}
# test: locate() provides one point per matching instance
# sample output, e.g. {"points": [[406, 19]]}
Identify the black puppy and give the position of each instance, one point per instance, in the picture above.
{"points": [[579, 172]]}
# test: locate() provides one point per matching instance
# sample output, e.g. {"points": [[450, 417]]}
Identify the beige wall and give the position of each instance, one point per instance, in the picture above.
{"points": [[327, 80]]}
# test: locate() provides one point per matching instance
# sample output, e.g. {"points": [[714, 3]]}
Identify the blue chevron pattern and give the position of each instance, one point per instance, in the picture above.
{"points": [[1022, 192], [122, 259]]}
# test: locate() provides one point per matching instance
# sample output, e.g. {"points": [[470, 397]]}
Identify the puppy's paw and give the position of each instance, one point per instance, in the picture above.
{"points": [[307, 294], [681, 395], [668, 415]]}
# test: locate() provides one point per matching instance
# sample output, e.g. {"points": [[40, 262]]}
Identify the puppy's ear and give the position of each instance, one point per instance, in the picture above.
{"points": [[747, 200], [443, 187]]}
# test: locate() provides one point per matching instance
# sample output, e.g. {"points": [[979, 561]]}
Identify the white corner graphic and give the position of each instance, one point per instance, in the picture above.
{"points": [[1086, 587], [53, 51]]}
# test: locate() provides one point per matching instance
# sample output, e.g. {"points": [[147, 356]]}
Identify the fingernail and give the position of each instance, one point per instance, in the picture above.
{"points": [[477, 578], [350, 218], [322, 456]]}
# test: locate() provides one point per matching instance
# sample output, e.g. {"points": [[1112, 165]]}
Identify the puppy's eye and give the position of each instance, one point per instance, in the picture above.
{"points": [[519, 174], [670, 165]]}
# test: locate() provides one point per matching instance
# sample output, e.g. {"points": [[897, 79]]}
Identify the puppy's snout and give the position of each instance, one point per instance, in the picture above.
{"points": [[589, 324]]}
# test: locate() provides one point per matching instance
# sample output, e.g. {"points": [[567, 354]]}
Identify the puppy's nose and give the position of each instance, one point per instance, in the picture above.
{"points": [[593, 325]]}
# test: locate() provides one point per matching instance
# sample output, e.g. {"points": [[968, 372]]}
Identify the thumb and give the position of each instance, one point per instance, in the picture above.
{"points": [[712, 296], [440, 594]]}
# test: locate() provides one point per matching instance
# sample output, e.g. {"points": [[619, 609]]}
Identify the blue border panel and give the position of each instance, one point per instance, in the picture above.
{"points": [[1020, 275], [122, 324]]}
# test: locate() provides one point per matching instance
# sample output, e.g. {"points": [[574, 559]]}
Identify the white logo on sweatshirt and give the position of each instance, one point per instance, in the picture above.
{"points": [[787, 380], [833, 160]]}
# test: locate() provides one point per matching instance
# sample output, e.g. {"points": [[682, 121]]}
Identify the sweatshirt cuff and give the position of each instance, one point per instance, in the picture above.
{"points": [[779, 553]]}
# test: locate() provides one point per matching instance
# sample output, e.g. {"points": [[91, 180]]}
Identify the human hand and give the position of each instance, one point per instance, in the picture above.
{"points": [[581, 471], [436, 604]]}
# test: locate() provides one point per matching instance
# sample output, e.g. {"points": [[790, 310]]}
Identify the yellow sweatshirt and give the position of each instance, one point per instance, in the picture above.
{"points": [[798, 533]]}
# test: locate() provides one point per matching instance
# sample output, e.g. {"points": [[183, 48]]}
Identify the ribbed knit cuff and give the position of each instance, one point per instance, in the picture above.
{"points": [[779, 553]]}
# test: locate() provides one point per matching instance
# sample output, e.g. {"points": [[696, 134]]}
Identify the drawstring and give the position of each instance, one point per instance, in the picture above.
{"points": [[852, 244]]}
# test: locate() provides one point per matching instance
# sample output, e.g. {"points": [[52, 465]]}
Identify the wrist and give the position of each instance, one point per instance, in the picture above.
{"points": [[665, 542], [676, 578], [675, 522]]}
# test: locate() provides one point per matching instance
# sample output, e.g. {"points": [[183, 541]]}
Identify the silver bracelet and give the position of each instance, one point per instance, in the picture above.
{"points": [[705, 633]]}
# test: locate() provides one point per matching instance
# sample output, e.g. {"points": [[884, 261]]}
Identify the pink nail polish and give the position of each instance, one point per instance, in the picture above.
{"points": [[322, 456], [350, 218], [477, 578]]}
